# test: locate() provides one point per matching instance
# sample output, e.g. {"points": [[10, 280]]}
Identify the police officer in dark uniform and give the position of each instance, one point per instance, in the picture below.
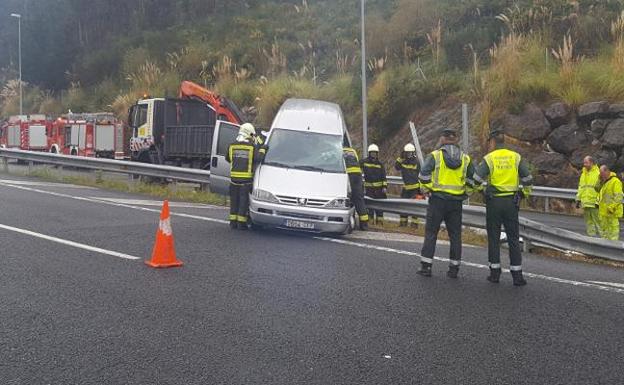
{"points": [[375, 180], [243, 155], [408, 165], [508, 180], [357, 185], [447, 176]]}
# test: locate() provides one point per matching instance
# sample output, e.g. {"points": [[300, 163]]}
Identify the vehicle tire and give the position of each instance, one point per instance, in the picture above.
{"points": [[74, 152], [352, 224]]}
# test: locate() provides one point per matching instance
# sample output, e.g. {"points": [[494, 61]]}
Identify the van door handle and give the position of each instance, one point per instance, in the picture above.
{"points": [[215, 161]]}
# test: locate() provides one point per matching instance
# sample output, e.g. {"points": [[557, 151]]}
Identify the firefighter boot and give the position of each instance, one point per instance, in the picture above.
{"points": [[518, 279], [364, 225], [233, 225], [494, 276], [452, 271], [425, 269]]}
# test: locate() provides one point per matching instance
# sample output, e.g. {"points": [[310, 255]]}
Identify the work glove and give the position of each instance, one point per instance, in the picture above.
{"points": [[578, 204]]}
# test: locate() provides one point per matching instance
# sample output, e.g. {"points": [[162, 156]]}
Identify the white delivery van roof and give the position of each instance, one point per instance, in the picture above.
{"points": [[310, 115]]}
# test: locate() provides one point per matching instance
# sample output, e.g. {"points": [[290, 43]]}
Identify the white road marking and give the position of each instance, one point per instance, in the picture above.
{"points": [[67, 242], [94, 200], [593, 285], [339, 241], [144, 202], [393, 237], [620, 285], [44, 184]]}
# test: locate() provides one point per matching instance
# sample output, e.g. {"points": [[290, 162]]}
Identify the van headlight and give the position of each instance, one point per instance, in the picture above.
{"points": [[264, 196], [339, 203]]}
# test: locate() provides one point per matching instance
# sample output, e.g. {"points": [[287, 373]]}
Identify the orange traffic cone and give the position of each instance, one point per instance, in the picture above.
{"points": [[164, 254]]}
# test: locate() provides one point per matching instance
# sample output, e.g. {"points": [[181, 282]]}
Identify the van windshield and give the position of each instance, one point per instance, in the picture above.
{"points": [[305, 151]]}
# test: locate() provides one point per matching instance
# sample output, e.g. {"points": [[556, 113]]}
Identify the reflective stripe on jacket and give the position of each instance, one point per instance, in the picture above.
{"points": [[448, 180], [610, 198], [352, 162], [241, 158], [409, 172], [589, 181], [504, 174], [374, 173]]}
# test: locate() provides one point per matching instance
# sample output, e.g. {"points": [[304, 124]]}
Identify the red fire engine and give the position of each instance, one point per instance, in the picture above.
{"points": [[26, 132], [98, 135]]}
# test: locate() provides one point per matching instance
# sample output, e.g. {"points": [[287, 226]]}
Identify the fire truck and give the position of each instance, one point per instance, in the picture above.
{"points": [[98, 135], [26, 132], [180, 131]]}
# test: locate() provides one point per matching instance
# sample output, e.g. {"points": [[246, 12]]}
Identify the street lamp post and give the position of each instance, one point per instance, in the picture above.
{"points": [[364, 96], [19, 44]]}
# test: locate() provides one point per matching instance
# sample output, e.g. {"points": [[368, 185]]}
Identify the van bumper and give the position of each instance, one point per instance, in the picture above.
{"points": [[281, 216]]}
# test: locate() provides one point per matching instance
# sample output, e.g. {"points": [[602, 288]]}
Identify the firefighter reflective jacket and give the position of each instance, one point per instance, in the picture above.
{"points": [[242, 157], [374, 173], [409, 172], [352, 162], [610, 198], [588, 185]]}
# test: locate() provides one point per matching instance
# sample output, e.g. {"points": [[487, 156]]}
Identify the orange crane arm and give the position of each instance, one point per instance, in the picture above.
{"points": [[226, 110]]}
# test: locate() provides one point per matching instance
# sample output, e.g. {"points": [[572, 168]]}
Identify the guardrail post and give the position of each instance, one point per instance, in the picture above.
{"points": [[203, 187], [5, 165], [98, 176], [31, 165], [546, 204]]}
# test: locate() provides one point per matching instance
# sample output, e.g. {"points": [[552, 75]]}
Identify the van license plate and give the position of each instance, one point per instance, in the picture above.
{"points": [[299, 225]]}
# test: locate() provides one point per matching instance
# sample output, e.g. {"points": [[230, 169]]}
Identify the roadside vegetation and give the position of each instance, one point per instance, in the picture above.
{"points": [[495, 54]]}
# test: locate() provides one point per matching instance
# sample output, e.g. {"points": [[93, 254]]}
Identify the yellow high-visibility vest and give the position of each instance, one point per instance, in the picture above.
{"points": [[504, 174], [448, 180]]}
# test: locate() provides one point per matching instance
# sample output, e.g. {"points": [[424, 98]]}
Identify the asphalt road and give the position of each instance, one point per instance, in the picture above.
{"points": [[278, 308]]}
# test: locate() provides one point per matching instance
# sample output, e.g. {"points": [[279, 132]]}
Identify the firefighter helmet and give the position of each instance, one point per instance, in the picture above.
{"points": [[409, 148], [247, 130], [373, 148]]}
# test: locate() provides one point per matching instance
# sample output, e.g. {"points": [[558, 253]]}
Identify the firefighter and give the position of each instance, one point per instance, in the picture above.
{"points": [[587, 196], [374, 180], [243, 155], [508, 180], [354, 171], [446, 176], [408, 165], [610, 204]]}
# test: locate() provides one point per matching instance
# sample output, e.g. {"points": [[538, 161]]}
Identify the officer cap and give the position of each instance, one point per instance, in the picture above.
{"points": [[449, 132], [496, 132]]}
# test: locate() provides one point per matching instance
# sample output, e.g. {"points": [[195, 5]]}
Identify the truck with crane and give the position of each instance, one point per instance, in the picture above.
{"points": [[180, 131]]}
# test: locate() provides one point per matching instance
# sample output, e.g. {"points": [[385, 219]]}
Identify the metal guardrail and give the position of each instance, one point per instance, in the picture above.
{"points": [[109, 165], [473, 216], [535, 232], [537, 191]]}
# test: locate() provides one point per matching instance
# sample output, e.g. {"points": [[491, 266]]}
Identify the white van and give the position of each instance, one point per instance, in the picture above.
{"points": [[302, 183]]}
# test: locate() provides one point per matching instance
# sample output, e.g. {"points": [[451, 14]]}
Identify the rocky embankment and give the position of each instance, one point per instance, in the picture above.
{"points": [[556, 140]]}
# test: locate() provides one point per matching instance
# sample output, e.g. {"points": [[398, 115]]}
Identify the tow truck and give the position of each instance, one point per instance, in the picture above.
{"points": [[183, 131]]}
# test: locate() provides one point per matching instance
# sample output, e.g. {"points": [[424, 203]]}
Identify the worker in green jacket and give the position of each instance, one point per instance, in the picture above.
{"points": [[610, 204], [587, 196]]}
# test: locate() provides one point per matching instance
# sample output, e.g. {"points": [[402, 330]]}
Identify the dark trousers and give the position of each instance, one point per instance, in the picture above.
{"points": [[239, 201], [449, 211], [503, 211], [408, 194], [376, 193], [357, 196]]}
